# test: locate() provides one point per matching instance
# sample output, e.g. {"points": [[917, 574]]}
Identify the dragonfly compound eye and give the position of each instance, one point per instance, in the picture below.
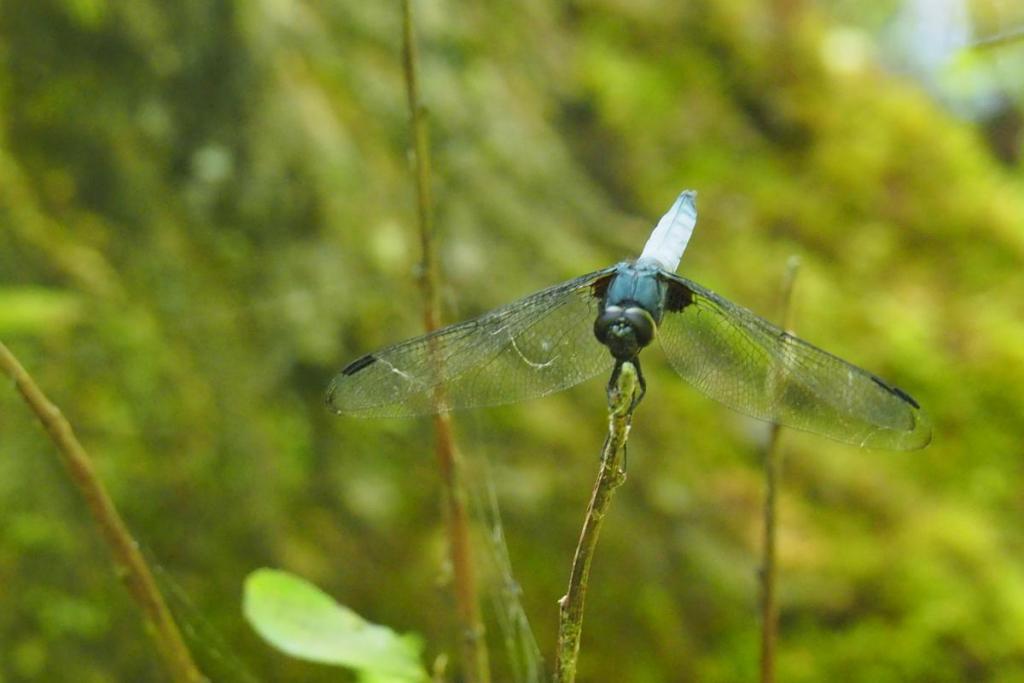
{"points": [[642, 323], [624, 331], [609, 316]]}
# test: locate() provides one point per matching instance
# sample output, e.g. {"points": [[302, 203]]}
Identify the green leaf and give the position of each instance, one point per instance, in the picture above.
{"points": [[299, 619], [36, 309]]}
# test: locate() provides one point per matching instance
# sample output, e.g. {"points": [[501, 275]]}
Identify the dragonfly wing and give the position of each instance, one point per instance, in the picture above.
{"points": [[754, 367], [529, 348]]}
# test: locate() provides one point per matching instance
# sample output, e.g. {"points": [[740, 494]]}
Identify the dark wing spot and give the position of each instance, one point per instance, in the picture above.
{"points": [[905, 396], [600, 287], [678, 296], [896, 391], [358, 364]]}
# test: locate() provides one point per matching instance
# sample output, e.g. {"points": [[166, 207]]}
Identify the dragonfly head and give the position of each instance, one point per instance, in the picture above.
{"points": [[624, 330]]}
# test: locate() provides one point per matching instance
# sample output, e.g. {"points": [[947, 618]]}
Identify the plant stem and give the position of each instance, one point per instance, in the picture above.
{"points": [[473, 643], [769, 608], [610, 477], [1000, 39], [128, 561]]}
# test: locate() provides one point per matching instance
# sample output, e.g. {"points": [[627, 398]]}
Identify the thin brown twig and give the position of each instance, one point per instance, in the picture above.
{"points": [[128, 561], [476, 668], [611, 476], [769, 607], [999, 39]]}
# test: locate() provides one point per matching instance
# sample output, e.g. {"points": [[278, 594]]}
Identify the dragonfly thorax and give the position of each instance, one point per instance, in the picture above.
{"points": [[624, 330]]}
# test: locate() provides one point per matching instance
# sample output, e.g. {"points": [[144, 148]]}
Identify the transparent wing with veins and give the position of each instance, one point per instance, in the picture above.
{"points": [[752, 366], [529, 348]]}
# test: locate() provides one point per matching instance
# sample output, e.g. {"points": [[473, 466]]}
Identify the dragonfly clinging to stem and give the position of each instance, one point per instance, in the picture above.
{"points": [[565, 334]]}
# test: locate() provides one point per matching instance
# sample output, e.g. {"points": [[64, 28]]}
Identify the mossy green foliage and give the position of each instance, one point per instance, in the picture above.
{"points": [[206, 209]]}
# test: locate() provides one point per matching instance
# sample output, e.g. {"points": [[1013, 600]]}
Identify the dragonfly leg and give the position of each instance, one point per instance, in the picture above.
{"points": [[641, 382], [614, 379], [641, 385]]}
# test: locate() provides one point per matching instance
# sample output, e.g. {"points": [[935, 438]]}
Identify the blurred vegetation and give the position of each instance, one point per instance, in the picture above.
{"points": [[206, 210]]}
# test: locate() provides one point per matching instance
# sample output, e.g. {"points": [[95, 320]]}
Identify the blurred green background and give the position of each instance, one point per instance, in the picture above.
{"points": [[206, 210]]}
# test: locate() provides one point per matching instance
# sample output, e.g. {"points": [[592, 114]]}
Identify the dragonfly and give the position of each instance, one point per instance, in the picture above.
{"points": [[563, 335]]}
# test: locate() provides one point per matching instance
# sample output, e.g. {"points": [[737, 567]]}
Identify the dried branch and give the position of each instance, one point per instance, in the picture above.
{"points": [[1000, 39], [769, 608], [128, 561], [610, 477], [473, 642]]}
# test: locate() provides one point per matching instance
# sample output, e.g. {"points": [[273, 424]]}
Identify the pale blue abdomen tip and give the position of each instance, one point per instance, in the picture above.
{"points": [[670, 237]]}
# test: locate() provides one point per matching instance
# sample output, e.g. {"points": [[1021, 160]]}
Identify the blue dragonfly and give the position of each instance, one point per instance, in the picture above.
{"points": [[568, 333]]}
